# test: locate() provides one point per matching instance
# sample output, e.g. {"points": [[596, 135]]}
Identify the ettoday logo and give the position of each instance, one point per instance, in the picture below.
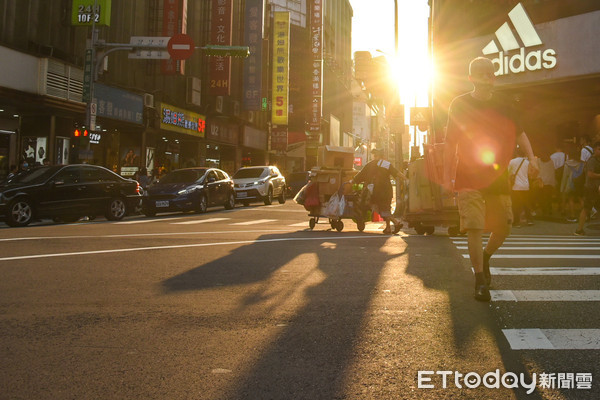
{"points": [[507, 61]]}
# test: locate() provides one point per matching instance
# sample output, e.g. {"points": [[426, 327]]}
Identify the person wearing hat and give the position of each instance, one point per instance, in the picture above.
{"points": [[378, 172], [482, 132]]}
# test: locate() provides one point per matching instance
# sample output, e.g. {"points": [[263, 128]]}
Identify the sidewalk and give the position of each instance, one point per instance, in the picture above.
{"points": [[557, 226]]}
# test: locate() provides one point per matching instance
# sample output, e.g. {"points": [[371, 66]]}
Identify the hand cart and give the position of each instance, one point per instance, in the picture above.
{"points": [[354, 208]]}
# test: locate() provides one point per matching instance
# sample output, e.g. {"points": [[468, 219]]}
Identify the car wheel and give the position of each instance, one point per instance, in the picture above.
{"points": [[202, 204], [269, 197], [281, 198], [116, 209], [230, 203], [20, 213]]}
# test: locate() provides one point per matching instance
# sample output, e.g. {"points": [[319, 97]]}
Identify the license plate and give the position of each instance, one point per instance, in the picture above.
{"points": [[164, 203], [242, 194]]}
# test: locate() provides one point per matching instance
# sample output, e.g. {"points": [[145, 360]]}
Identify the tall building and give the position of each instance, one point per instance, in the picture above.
{"points": [[204, 110]]}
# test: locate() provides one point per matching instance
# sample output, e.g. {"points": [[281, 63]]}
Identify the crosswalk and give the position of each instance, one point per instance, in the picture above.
{"points": [[554, 262], [376, 226]]}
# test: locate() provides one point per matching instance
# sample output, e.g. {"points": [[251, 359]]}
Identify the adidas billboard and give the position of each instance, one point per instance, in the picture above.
{"points": [[507, 60]]}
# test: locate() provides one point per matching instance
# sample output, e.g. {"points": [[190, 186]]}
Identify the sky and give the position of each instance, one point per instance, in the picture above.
{"points": [[373, 29]]}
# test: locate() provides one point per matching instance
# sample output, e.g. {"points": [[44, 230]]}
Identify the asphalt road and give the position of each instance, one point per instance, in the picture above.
{"points": [[251, 304]]}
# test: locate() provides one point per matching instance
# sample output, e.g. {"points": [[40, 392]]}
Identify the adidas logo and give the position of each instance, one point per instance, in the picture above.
{"points": [[521, 61]]}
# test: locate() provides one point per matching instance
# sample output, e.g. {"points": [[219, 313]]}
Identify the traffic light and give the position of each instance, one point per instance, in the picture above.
{"points": [[80, 136], [226, 51]]}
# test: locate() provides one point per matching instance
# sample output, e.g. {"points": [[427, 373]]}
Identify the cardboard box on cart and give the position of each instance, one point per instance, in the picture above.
{"points": [[335, 157], [329, 181]]}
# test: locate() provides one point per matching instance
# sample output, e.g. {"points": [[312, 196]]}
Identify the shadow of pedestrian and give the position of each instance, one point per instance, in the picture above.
{"points": [[314, 293]]}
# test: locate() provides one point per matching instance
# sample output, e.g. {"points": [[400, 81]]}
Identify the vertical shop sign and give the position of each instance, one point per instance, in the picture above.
{"points": [[281, 52], [220, 34], [316, 38], [174, 22], [279, 138], [253, 29]]}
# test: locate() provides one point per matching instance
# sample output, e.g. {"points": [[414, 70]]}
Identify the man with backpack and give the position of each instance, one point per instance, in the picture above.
{"points": [[591, 188]]}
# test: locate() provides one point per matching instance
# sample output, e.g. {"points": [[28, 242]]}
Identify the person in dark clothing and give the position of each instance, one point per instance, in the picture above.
{"points": [[481, 135], [378, 172]]}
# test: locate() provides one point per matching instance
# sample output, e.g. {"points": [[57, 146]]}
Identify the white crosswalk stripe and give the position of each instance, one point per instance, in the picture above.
{"points": [[254, 222], [200, 221], [560, 255]]}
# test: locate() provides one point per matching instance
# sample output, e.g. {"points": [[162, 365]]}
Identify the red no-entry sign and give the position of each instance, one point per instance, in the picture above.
{"points": [[180, 47]]}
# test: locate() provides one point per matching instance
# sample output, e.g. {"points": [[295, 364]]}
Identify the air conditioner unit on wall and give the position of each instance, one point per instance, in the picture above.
{"points": [[148, 100]]}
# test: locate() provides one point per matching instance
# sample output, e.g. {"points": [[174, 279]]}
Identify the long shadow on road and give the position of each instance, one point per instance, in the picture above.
{"points": [[309, 357]]}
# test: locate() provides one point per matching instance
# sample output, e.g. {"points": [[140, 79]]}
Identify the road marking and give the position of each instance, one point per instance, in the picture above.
{"points": [[567, 248], [300, 224], [183, 246], [254, 222], [552, 241], [545, 295], [140, 235], [545, 256], [141, 221], [200, 221], [554, 271], [536, 237], [553, 339]]}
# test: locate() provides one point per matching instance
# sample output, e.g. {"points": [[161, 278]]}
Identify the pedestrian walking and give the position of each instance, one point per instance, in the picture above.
{"points": [[545, 194], [481, 136], [378, 173], [591, 188], [571, 186], [518, 170]]}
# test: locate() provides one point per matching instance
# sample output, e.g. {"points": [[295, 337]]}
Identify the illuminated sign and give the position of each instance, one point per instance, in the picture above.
{"points": [[522, 61], [182, 121], [281, 53], [316, 38], [83, 13]]}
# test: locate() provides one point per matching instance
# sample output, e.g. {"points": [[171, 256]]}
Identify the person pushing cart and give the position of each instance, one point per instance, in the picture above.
{"points": [[378, 173]]}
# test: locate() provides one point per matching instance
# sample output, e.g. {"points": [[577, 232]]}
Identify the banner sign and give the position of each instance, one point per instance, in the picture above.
{"points": [[182, 121], [174, 22], [118, 104], [316, 37], [220, 34], [279, 138], [83, 13], [281, 53], [253, 29]]}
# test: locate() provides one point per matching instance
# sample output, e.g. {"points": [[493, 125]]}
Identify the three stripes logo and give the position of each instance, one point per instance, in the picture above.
{"points": [[522, 61]]}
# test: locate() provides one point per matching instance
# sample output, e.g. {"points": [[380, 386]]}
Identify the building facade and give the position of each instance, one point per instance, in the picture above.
{"points": [[546, 59]]}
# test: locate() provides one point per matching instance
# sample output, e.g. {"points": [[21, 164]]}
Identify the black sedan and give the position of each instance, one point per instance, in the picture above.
{"points": [[189, 189], [66, 193]]}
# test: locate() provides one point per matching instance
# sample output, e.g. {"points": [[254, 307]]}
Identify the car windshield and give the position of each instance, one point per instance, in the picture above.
{"points": [[35, 175], [183, 176], [249, 173]]}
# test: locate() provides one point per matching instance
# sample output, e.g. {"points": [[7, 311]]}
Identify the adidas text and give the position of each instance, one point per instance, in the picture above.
{"points": [[521, 62]]}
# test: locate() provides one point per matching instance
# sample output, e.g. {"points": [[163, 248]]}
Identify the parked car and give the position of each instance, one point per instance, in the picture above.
{"points": [[296, 181], [66, 193], [260, 183], [189, 189]]}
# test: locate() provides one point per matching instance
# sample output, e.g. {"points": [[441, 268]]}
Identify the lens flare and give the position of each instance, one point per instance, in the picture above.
{"points": [[488, 157]]}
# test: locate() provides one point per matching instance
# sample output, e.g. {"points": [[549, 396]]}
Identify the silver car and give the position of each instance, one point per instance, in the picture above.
{"points": [[259, 183]]}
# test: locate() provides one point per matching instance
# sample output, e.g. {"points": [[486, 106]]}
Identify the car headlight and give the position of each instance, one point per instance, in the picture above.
{"points": [[188, 190], [260, 182]]}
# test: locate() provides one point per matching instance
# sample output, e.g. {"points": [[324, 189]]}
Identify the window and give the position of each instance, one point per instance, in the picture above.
{"points": [[91, 174], [67, 176]]}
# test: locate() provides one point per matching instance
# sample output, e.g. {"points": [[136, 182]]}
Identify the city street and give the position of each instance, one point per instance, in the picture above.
{"points": [[252, 304]]}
